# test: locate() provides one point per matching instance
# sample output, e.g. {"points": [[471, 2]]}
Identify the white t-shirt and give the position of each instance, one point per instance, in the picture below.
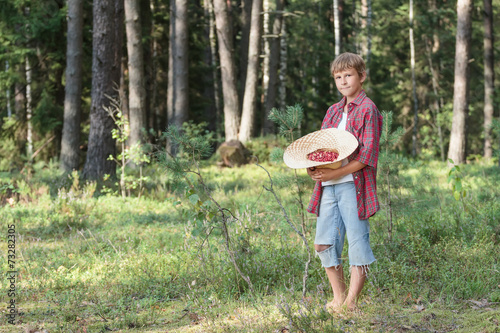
{"points": [[347, 178]]}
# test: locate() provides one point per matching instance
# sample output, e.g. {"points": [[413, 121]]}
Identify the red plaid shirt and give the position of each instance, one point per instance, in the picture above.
{"points": [[365, 123]]}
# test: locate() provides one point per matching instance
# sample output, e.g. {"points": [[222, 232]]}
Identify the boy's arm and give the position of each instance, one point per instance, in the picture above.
{"points": [[369, 137], [325, 174]]}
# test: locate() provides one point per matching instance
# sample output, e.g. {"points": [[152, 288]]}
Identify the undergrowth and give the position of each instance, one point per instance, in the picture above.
{"points": [[93, 262]]}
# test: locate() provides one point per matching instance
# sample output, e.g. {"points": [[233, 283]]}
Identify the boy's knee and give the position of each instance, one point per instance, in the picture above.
{"points": [[327, 255], [321, 247]]}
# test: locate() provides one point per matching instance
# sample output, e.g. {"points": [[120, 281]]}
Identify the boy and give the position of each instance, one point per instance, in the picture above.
{"points": [[344, 198]]}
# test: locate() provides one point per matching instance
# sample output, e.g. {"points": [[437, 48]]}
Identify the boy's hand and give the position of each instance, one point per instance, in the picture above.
{"points": [[322, 175]]}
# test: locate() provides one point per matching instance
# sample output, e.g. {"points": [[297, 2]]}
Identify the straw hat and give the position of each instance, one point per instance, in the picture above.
{"points": [[331, 139]]}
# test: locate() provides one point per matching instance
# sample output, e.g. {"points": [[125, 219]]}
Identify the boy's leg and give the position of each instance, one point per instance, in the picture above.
{"points": [[358, 277], [329, 241], [335, 276], [358, 236]]}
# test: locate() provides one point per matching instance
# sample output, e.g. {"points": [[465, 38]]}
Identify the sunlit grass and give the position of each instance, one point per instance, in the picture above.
{"points": [[100, 263]]}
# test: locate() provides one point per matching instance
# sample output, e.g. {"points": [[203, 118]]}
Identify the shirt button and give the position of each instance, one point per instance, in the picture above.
{"points": [[359, 192]]}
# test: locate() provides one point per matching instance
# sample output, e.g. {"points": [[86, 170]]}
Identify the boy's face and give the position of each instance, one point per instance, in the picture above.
{"points": [[349, 83]]}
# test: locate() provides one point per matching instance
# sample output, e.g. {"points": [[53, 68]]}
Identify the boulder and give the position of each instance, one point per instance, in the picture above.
{"points": [[233, 153]]}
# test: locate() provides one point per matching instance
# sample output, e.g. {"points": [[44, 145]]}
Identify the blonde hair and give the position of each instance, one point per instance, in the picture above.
{"points": [[346, 61]]}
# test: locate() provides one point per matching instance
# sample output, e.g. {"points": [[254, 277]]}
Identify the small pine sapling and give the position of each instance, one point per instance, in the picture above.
{"points": [[191, 150], [289, 122]]}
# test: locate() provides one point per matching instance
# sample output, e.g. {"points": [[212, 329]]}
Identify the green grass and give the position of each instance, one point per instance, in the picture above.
{"points": [[94, 263]]}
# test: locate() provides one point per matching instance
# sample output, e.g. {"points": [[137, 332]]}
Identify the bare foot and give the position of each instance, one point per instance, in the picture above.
{"points": [[334, 307], [352, 309]]}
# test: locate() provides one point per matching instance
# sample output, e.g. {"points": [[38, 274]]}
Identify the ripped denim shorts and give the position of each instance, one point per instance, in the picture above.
{"points": [[338, 216]]}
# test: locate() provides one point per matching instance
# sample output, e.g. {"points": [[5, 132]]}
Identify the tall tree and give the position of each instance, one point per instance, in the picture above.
{"points": [[29, 110], [458, 139], [211, 90], [246, 13], [136, 88], [489, 77], [337, 25], [178, 65], [283, 66], [366, 23], [228, 75], [7, 92], [250, 97], [270, 100], [70, 142], [266, 50], [413, 84], [107, 41]]}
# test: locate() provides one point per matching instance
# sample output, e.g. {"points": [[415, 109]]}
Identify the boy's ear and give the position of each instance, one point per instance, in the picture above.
{"points": [[362, 78]]}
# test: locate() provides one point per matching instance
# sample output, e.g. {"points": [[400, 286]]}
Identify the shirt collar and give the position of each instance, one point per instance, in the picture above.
{"points": [[357, 101]]}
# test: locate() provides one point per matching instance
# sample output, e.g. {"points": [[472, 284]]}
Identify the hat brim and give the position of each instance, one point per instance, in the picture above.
{"points": [[343, 142]]}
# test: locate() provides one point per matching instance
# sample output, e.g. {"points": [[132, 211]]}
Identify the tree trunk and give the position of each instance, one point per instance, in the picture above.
{"points": [[366, 23], [170, 74], [414, 85], [458, 139], [7, 92], [211, 89], [228, 76], [437, 100], [107, 39], [250, 97], [270, 102], [70, 142], [181, 69], [337, 18], [266, 50], [136, 89], [178, 95], [147, 23], [283, 66], [29, 112], [489, 77], [246, 13]]}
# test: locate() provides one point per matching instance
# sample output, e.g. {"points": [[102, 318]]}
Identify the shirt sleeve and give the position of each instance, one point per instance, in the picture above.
{"points": [[370, 136]]}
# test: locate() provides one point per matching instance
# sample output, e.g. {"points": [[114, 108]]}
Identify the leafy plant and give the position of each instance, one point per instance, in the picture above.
{"points": [[455, 180], [76, 203], [134, 154]]}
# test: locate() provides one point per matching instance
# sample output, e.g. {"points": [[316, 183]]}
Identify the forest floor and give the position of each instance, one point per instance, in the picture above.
{"points": [[87, 261]]}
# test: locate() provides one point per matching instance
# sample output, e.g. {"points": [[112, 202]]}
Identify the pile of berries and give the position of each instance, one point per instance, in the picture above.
{"points": [[323, 156]]}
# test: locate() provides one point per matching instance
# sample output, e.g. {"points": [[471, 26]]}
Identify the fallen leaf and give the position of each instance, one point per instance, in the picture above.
{"points": [[419, 308]]}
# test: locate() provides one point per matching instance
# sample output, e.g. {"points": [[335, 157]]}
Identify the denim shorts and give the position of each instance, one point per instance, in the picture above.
{"points": [[338, 216]]}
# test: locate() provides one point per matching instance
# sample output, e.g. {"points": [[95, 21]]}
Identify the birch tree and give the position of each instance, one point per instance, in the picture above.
{"points": [[70, 142], [249, 99], [458, 139]]}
